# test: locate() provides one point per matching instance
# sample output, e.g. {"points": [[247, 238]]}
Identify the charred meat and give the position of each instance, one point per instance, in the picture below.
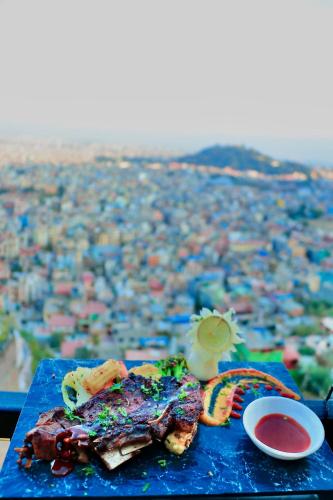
{"points": [[117, 423]]}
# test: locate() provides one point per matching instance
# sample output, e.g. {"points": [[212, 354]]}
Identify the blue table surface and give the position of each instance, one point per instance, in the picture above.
{"points": [[221, 460]]}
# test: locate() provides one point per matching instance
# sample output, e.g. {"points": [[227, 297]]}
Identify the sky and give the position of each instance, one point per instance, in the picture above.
{"points": [[182, 73]]}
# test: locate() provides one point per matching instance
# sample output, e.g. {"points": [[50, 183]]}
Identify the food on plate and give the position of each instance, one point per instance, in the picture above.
{"points": [[173, 366], [147, 370], [114, 413], [228, 387], [178, 441], [78, 386], [117, 422], [212, 337], [155, 402]]}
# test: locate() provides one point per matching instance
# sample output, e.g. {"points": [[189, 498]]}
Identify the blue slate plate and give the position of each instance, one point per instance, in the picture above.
{"points": [[221, 460]]}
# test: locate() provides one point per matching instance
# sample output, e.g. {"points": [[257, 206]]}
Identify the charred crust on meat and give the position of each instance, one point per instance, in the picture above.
{"points": [[116, 425]]}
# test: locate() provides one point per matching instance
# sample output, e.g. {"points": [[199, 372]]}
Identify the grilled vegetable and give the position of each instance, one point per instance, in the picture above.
{"points": [[80, 385], [178, 441], [173, 366], [225, 404], [147, 370]]}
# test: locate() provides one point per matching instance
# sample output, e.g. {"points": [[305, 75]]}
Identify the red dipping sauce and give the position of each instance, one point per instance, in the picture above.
{"points": [[282, 433]]}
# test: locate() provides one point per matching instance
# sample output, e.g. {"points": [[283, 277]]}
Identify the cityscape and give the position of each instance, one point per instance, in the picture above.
{"points": [[108, 251]]}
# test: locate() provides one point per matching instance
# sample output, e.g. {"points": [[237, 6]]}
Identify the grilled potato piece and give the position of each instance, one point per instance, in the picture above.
{"points": [[147, 370], [104, 375], [178, 441]]}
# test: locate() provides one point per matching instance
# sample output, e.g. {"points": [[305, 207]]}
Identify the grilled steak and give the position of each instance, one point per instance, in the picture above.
{"points": [[117, 422]]}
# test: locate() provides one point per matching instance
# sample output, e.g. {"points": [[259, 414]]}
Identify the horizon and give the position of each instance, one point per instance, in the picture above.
{"points": [[282, 149]]}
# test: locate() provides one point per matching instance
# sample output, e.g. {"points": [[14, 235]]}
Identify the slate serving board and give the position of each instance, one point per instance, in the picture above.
{"points": [[221, 461]]}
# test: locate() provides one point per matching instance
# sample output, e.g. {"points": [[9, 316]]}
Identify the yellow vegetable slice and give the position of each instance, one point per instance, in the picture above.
{"points": [[78, 386], [147, 370], [104, 375]]}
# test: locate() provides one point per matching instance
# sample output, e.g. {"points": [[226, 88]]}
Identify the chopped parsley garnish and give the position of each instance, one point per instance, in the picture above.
{"points": [[92, 433], [145, 389], [162, 463], [255, 391], [226, 423], [145, 487], [158, 413], [104, 414], [182, 395], [71, 416], [105, 417], [153, 389], [88, 470], [180, 411], [192, 385], [128, 420], [122, 411], [117, 387]]}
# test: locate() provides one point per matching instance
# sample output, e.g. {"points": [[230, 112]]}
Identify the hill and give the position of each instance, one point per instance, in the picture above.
{"points": [[242, 158]]}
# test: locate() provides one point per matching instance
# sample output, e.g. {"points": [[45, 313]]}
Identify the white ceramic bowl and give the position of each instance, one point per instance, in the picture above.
{"points": [[301, 413]]}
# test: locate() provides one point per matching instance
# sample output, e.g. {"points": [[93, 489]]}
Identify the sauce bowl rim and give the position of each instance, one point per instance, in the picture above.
{"points": [[320, 436]]}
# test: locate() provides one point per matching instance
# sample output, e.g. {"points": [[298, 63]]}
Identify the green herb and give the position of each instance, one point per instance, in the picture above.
{"points": [[104, 418], [153, 389], [88, 470], [71, 416], [117, 387], [173, 366], [104, 414], [180, 411], [182, 395], [92, 433], [226, 423], [158, 413], [122, 411], [128, 421], [162, 463], [119, 401], [192, 385], [145, 487]]}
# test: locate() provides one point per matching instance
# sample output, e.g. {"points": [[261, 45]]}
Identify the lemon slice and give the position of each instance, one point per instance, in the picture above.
{"points": [[215, 334]]}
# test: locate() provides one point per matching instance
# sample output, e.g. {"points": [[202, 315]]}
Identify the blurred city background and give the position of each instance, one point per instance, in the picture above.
{"points": [[157, 159]]}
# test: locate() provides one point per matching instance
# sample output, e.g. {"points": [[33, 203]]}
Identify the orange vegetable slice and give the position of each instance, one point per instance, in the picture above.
{"points": [[223, 405], [222, 408]]}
